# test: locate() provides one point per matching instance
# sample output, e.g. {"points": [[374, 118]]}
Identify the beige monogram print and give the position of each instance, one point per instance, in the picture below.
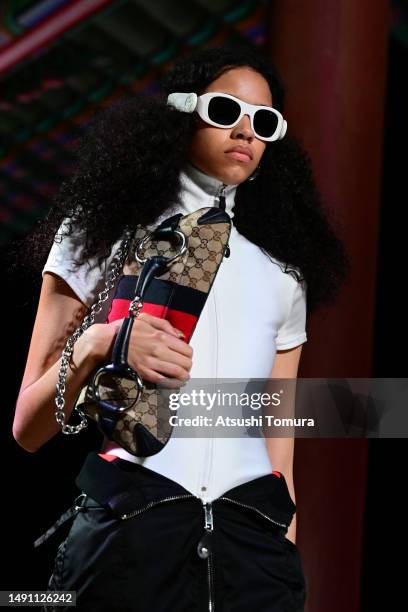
{"points": [[197, 268]]}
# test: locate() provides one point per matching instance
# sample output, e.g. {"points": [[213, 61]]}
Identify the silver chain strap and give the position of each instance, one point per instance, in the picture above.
{"points": [[115, 271]]}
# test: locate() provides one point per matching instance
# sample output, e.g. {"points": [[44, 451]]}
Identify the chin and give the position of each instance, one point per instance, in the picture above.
{"points": [[233, 176]]}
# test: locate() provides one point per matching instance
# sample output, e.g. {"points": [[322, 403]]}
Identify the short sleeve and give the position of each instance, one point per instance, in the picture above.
{"points": [[86, 280], [293, 330]]}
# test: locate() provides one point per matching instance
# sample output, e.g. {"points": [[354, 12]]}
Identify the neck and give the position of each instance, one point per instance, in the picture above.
{"points": [[200, 189]]}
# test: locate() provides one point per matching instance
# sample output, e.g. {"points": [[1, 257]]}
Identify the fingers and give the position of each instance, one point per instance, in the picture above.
{"points": [[157, 352], [163, 353], [168, 368], [161, 324], [164, 340], [159, 379], [168, 353]]}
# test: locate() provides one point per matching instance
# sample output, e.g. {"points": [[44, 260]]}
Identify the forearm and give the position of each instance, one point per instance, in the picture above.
{"points": [[280, 451], [281, 454], [34, 422], [291, 533]]}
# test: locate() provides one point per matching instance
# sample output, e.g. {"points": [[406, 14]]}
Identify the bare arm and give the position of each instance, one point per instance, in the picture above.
{"points": [[154, 348], [58, 315], [281, 450]]}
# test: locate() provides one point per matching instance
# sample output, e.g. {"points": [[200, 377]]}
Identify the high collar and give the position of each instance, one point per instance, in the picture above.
{"points": [[200, 189]]}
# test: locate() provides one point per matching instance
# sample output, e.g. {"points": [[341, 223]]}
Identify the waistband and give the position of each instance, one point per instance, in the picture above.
{"points": [[125, 487]]}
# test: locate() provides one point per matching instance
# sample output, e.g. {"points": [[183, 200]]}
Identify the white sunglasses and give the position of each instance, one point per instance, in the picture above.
{"points": [[224, 111]]}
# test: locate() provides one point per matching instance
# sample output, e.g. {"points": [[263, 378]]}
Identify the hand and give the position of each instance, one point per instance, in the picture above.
{"points": [[156, 351]]}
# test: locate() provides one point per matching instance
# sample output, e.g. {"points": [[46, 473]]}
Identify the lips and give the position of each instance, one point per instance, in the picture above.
{"points": [[240, 153]]}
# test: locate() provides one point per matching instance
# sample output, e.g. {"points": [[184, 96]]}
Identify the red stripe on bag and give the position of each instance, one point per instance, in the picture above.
{"points": [[181, 320], [278, 474]]}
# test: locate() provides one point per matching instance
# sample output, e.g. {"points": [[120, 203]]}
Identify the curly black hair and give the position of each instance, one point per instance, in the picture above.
{"points": [[127, 173]]}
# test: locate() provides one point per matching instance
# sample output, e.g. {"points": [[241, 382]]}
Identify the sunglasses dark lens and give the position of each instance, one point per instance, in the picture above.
{"points": [[265, 123], [223, 110], [118, 391]]}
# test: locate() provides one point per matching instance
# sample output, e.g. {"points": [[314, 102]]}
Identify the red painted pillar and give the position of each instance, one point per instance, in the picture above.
{"points": [[331, 56]]}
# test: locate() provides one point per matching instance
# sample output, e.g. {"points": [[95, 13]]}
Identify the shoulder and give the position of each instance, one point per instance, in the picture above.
{"points": [[292, 293], [86, 279], [289, 277]]}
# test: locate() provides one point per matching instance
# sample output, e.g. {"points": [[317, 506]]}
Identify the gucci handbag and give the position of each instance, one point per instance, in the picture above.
{"points": [[167, 272]]}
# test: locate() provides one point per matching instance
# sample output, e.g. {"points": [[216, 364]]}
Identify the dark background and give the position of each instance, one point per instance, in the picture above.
{"points": [[39, 487], [383, 578]]}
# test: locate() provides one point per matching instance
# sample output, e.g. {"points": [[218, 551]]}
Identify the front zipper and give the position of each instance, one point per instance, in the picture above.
{"points": [[220, 195], [155, 503], [234, 501], [204, 550], [221, 204], [204, 545]]}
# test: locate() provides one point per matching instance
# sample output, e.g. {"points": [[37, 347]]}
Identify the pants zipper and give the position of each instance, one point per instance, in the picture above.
{"points": [[204, 545], [204, 550], [234, 501], [155, 503]]}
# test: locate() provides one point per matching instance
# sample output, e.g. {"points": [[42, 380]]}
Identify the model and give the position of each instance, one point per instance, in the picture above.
{"points": [[207, 523]]}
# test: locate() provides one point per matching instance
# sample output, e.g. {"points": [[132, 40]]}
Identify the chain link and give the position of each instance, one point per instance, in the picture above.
{"points": [[114, 272]]}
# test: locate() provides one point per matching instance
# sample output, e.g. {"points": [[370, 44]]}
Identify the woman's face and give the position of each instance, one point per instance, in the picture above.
{"points": [[209, 145]]}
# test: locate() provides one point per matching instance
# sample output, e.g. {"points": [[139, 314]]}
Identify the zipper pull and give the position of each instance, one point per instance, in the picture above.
{"points": [[221, 197], [204, 545], [222, 205], [208, 516]]}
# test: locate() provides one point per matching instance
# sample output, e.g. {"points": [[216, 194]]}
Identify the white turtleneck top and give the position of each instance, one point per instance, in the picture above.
{"points": [[253, 309]]}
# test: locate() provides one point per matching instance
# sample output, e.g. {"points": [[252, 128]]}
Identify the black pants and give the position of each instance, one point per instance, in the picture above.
{"points": [[140, 542]]}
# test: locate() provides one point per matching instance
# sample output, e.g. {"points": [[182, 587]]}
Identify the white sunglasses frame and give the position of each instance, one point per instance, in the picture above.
{"points": [[190, 102]]}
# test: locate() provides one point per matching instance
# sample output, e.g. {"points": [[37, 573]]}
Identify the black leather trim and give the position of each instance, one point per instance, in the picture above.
{"points": [[214, 215]]}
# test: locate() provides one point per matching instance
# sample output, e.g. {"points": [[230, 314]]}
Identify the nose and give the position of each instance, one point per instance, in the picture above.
{"points": [[243, 129]]}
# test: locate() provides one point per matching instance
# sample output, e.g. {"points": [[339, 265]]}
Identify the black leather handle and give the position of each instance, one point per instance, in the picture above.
{"points": [[154, 266], [121, 346], [167, 227]]}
